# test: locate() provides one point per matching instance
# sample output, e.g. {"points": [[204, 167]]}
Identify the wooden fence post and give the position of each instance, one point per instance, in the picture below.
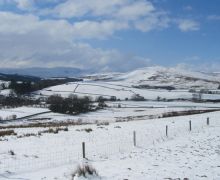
{"points": [[166, 130], [134, 138], [190, 125], [83, 150], [207, 121]]}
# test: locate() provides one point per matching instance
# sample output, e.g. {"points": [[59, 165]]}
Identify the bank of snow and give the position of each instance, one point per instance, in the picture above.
{"points": [[183, 154], [21, 111]]}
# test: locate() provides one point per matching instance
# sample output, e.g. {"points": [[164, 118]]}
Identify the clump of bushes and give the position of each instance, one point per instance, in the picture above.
{"points": [[7, 133], [27, 135], [85, 171], [53, 131], [137, 97], [103, 124], [29, 85], [11, 152], [88, 130], [101, 102], [12, 100], [71, 105]]}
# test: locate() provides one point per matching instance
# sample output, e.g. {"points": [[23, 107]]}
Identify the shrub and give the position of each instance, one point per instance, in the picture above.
{"points": [[27, 135], [53, 131], [11, 152], [13, 116], [137, 97], [84, 171], [113, 98], [70, 105], [103, 124], [7, 133], [100, 99], [88, 130], [15, 101]]}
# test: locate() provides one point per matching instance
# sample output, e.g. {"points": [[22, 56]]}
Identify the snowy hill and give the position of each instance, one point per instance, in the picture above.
{"points": [[175, 77], [150, 82], [147, 77], [160, 138]]}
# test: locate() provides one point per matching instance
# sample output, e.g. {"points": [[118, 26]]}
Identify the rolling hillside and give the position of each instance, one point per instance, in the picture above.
{"points": [[150, 82], [175, 77]]}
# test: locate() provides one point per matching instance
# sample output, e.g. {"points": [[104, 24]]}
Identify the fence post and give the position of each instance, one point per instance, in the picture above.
{"points": [[83, 150], [134, 138], [207, 121], [166, 130], [190, 125]]}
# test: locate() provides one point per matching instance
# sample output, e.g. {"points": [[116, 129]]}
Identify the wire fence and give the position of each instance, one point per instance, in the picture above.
{"points": [[52, 152]]}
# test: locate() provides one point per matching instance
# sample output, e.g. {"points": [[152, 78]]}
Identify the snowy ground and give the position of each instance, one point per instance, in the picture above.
{"points": [[121, 90], [183, 154], [130, 110], [21, 111]]}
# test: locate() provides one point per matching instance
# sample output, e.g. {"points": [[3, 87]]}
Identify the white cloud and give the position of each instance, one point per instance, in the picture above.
{"points": [[48, 52], [60, 29], [100, 30], [24, 24], [109, 17], [28, 41], [135, 10], [25, 4], [153, 21], [213, 17], [188, 25], [78, 8], [115, 14]]}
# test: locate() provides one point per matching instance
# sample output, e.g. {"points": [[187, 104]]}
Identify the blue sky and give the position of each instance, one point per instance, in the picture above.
{"points": [[116, 35]]}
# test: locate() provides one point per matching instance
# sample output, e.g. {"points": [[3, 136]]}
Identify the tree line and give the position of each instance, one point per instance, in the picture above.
{"points": [[71, 105], [16, 101], [25, 87]]}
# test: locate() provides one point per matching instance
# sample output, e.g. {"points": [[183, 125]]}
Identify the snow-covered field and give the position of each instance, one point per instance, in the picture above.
{"points": [[125, 85], [53, 153], [21, 112], [110, 149], [5, 92], [179, 78], [128, 111], [95, 89]]}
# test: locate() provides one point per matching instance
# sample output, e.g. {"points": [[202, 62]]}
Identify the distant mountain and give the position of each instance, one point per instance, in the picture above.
{"points": [[157, 77], [45, 72], [147, 77], [17, 77]]}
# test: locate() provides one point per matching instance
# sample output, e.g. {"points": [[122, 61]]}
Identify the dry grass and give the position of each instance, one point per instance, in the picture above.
{"points": [[84, 171], [53, 130], [7, 133], [88, 130], [46, 124]]}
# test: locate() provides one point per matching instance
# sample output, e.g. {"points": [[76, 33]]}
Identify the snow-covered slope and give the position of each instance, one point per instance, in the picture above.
{"points": [[181, 155], [95, 89], [149, 82], [176, 77]]}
